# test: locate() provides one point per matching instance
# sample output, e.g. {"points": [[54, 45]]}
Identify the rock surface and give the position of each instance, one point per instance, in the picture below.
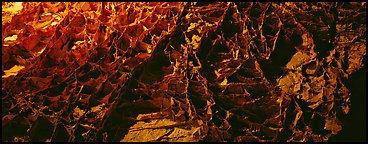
{"points": [[179, 71]]}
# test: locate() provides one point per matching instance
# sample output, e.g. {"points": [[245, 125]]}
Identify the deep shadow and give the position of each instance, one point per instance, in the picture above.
{"points": [[354, 129]]}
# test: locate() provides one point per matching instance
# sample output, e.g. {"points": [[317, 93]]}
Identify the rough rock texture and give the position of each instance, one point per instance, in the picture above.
{"points": [[172, 71]]}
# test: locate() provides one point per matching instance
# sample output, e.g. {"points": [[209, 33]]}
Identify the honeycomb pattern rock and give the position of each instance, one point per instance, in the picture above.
{"points": [[180, 71]]}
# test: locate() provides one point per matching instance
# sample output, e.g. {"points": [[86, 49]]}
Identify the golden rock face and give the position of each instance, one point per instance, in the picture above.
{"points": [[180, 71]]}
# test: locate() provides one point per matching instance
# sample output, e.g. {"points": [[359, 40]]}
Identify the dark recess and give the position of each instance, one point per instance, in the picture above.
{"points": [[354, 129]]}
